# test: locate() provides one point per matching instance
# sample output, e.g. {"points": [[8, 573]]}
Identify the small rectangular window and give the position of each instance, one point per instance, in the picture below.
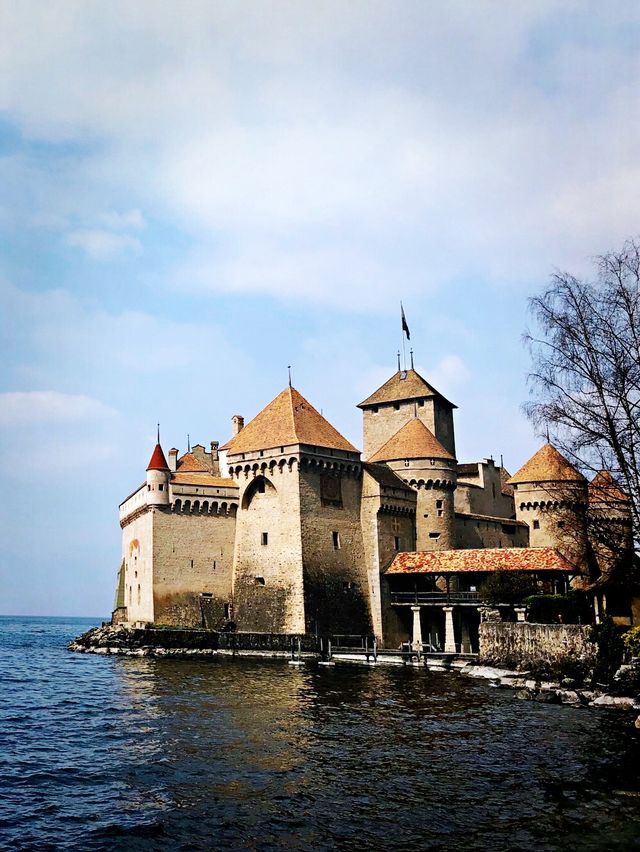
{"points": [[161, 487], [227, 610], [336, 540], [439, 504], [264, 538], [440, 513], [421, 403], [536, 525], [396, 542], [259, 581], [434, 535]]}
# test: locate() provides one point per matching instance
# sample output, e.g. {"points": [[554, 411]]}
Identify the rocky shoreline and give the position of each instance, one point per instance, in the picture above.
{"points": [[162, 643]]}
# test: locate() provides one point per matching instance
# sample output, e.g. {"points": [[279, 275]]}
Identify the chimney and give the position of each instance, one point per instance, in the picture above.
{"points": [[238, 423], [214, 450], [173, 459]]}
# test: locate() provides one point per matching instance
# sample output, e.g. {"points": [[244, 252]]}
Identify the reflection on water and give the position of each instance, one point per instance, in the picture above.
{"points": [[130, 753]]}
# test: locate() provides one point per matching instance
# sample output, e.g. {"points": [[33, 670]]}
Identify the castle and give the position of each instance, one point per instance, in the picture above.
{"points": [[286, 528]]}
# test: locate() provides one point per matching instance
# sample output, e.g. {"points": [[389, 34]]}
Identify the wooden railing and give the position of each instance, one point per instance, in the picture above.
{"points": [[435, 597]]}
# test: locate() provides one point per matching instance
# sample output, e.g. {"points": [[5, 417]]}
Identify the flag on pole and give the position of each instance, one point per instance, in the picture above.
{"points": [[405, 327]]}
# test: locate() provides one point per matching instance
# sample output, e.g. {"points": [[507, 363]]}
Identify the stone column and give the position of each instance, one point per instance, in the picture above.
{"points": [[520, 613], [417, 628], [449, 640]]}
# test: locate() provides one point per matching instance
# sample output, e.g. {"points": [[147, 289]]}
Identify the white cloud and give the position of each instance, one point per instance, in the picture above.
{"points": [[103, 245], [306, 162], [18, 408]]}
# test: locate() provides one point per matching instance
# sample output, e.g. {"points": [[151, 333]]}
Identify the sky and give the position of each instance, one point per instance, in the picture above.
{"points": [[194, 195]]}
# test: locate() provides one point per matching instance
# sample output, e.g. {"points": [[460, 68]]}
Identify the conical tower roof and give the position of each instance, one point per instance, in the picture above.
{"points": [[547, 465], [157, 461], [288, 419], [403, 385], [413, 441], [604, 489]]}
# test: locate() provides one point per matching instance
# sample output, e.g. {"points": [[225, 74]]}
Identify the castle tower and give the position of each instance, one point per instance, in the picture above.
{"points": [[420, 460], [158, 473], [610, 526], [405, 396], [298, 559], [551, 498]]}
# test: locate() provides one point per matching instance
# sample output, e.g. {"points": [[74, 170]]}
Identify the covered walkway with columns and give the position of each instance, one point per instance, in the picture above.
{"points": [[436, 595]]}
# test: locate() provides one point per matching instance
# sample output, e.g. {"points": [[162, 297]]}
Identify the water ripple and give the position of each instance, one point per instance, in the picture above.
{"points": [[115, 753]]}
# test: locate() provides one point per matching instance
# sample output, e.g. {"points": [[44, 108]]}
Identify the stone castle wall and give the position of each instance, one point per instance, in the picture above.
{"points": [[193, 557], [479, 531], [523, 645], [555, 516], [268, 583], [336, 585], [137, 553]]}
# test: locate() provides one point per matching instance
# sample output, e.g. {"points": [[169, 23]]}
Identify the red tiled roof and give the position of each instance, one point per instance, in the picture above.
{"points": [[604, 489], [490, 559], [403, 385], [288, 419], [189, 462], [547, 465], [412, 441], [158, 461]]}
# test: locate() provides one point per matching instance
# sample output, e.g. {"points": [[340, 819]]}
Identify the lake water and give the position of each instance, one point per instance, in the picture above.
{"points": [[120, 753]]}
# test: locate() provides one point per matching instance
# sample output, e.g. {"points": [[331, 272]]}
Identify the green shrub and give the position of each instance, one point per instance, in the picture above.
{"points": [[572, 608], [506, 587], [631, 641]]}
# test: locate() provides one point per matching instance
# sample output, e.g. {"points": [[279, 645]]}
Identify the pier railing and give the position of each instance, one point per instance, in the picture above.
{"points": [[435, 597]]}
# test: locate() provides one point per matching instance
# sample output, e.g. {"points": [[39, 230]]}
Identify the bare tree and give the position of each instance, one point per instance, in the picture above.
{"points": [[585, 381]]}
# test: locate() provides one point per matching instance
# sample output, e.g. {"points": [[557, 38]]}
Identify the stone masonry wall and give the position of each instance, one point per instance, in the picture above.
{"points": [[336, 586], [380, 425], [268, 588], [523, 645], [193, 555], [476, 532], [137, 553]]}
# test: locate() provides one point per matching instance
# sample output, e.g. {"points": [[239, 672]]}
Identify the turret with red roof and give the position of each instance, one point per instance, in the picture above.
{"points": [[158, 477]]}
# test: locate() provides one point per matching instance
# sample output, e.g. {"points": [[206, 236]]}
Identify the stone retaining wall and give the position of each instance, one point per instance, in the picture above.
{"points": [[124, 638], [523, 645]]}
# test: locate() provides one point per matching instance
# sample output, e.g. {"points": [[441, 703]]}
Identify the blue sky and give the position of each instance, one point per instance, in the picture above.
{"points": [[195, 195]]}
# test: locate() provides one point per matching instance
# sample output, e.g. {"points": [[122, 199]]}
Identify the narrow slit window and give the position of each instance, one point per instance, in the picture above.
{"points": [[396, 542], [264, 538], [336, 540]]}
